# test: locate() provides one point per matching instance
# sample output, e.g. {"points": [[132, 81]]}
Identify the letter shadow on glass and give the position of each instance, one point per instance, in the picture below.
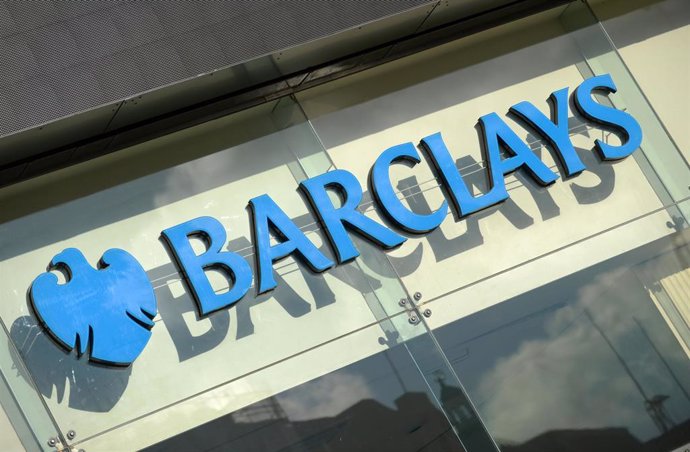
{"points": [[172, 310], [290, 300]]}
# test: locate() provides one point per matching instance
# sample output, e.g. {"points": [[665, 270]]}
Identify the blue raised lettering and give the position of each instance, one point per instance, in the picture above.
{"points": [[386, 197], [335, 220], [497, 134], [459, 195], [554, 130], [193, 267], [608, 117], [267, 217]]}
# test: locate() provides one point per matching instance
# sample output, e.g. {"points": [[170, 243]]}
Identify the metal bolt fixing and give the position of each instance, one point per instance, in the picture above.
{"points": [[427, 313], [71, 434], [413, 319], [402, 302], [52, 442], [417, 296]]}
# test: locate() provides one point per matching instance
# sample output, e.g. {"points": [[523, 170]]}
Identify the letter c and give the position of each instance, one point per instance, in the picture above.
{"points": [[385, 195]]}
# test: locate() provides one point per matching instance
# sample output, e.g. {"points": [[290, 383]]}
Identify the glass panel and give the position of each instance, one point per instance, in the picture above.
{"points": [[584, 362], [535, 240], [386, 302], [199, 369], [240, 157], [378, 403], [24, 418], [666, 165], [345, 360], [445, 90], [8, 431]]}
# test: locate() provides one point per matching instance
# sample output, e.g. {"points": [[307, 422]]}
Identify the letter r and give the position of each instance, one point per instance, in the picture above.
{"points": [[336, 220], [192, 266]]}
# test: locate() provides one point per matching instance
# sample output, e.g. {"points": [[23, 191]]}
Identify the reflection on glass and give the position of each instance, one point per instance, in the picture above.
{"points": [[669, 170], [241, 159], [55, 372], [380, 403], [24, 421], [584, 363]]}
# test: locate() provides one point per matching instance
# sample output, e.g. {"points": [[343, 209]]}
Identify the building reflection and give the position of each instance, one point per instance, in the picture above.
{"points": [[413, 424], [612, 439]]}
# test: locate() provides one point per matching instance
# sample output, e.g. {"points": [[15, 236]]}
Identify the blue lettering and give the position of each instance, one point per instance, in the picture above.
{"points": [[335, 220], [386, 197], [497, 134], [267, 217], [193, 267], [554, 130], [607, 117], [460, 197]]}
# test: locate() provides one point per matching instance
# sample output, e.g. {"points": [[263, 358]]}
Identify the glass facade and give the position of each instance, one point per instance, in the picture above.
{"points": [[557, 320]]}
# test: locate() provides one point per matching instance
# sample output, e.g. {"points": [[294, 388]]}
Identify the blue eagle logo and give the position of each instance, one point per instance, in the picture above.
{"points": [[107, 311]]}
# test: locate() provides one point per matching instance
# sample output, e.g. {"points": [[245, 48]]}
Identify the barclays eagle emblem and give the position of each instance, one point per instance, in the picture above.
{"points": [[107, 312]]}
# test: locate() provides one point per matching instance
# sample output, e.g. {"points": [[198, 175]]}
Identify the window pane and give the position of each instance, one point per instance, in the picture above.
{"points": [[586, 362]]}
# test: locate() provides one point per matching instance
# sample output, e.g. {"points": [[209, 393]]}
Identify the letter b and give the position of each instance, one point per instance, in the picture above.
{"points": [[193, 266]]}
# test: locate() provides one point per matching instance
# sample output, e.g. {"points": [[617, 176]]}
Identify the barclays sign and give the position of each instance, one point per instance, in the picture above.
{"points": [[95, 308]]}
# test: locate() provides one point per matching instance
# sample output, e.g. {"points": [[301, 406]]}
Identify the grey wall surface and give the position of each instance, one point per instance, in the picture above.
{"points": [[58, 58]]}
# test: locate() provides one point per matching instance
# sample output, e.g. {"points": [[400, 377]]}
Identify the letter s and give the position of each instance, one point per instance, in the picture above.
{"points": [[608, 117]]}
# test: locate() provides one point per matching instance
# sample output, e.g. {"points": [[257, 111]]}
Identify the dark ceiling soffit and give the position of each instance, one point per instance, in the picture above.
{"points": [[154, 125]]}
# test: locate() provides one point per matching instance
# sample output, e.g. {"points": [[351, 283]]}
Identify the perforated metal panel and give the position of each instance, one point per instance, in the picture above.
{"points": [[83, 79], [58, 58]]}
